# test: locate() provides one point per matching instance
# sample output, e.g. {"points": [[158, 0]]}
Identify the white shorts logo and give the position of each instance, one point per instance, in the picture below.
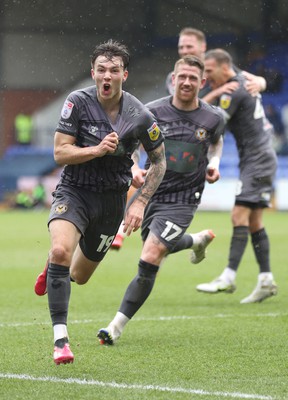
{"points": [[239, 185], [67, 109]]}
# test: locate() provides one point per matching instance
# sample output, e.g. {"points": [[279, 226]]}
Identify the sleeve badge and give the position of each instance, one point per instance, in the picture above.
{"points": [[60, 209], [154, 132], [225, 101], [67, 109]]}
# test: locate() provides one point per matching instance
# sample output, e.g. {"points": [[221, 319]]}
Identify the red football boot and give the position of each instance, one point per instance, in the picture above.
{"points": [[40, 287], [117, 242], [62, 353]]}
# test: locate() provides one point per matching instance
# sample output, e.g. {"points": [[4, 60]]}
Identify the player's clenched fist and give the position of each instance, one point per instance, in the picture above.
{"points": [[212, 174], [108, 145]]}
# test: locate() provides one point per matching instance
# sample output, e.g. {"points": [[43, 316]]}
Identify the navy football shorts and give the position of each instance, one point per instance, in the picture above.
{"points": [[167, 221], [96, 215]]}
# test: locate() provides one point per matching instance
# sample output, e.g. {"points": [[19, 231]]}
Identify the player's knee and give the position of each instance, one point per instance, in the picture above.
{"points": [[239, 219], [60, 255]]}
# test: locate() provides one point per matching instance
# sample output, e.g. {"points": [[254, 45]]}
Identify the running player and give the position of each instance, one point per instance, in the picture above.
{"points": [[246, 120], [193, 133], [99, 129]]}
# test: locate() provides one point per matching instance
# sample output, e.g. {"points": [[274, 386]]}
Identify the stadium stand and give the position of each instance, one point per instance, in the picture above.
{"points": [[21, 161]]}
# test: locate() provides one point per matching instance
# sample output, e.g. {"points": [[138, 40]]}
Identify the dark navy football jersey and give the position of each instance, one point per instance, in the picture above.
{"points": [[252, 131], [83, 117], [188, 135]]}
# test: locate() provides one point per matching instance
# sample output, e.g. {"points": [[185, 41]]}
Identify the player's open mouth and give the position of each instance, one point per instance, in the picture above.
{"points": [[106, 87]]}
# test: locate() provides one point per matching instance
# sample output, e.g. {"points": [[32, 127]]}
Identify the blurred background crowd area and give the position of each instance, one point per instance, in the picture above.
{"points": [[45, 52]]}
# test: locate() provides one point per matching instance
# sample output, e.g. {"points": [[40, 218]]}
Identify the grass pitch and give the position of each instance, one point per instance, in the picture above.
{"points": [[181, 345]]}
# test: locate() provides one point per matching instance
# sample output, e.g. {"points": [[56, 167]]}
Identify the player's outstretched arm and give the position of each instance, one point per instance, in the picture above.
{"points": [[229, 87]]}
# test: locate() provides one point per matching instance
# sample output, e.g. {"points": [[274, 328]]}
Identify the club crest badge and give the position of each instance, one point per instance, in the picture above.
{"points": [[225, 101], [67, 109], [201, 134], [154, 132], [61, 209]]}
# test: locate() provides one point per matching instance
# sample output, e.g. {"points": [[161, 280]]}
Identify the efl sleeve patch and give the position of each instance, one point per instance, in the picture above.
{"points": [[67, 109], [225, 101], [154, 132]]}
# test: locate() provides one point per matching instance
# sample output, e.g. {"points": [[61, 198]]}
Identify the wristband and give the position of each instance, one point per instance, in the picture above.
{"points": [[214, 162]]}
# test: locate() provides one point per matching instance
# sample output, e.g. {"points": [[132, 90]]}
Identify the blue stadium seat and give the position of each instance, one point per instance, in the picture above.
{"points": [[23, 161], [282, 170]]}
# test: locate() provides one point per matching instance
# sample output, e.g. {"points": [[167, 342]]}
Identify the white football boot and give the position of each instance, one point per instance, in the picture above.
{"points": [[114, 330], [200, 241], [266, 287], [108, 336], [217, 286]]}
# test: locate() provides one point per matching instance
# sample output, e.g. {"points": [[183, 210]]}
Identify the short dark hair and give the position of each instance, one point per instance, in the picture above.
{"points": [[221, 56], [111, 49], [193, 32], [193, 61]]}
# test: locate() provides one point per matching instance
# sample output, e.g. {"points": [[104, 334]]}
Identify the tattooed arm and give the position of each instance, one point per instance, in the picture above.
{"points": [[154, 175], [134, 214], [137, 172]]}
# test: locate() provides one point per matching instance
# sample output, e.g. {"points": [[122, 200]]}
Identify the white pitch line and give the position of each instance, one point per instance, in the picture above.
{"points": [[140, 319], [115, 385]]}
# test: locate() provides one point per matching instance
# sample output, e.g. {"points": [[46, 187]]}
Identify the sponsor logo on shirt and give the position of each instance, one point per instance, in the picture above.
{"points": [[154, 132], [67, 109], [201, 134], [225, 101], [93, 129]]}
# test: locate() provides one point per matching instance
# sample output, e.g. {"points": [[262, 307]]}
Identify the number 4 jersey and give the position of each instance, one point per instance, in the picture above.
{"points": [[252, 131]]}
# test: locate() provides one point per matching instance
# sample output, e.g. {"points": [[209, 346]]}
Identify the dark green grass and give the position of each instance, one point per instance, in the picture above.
{"points": [[179, 339]]}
